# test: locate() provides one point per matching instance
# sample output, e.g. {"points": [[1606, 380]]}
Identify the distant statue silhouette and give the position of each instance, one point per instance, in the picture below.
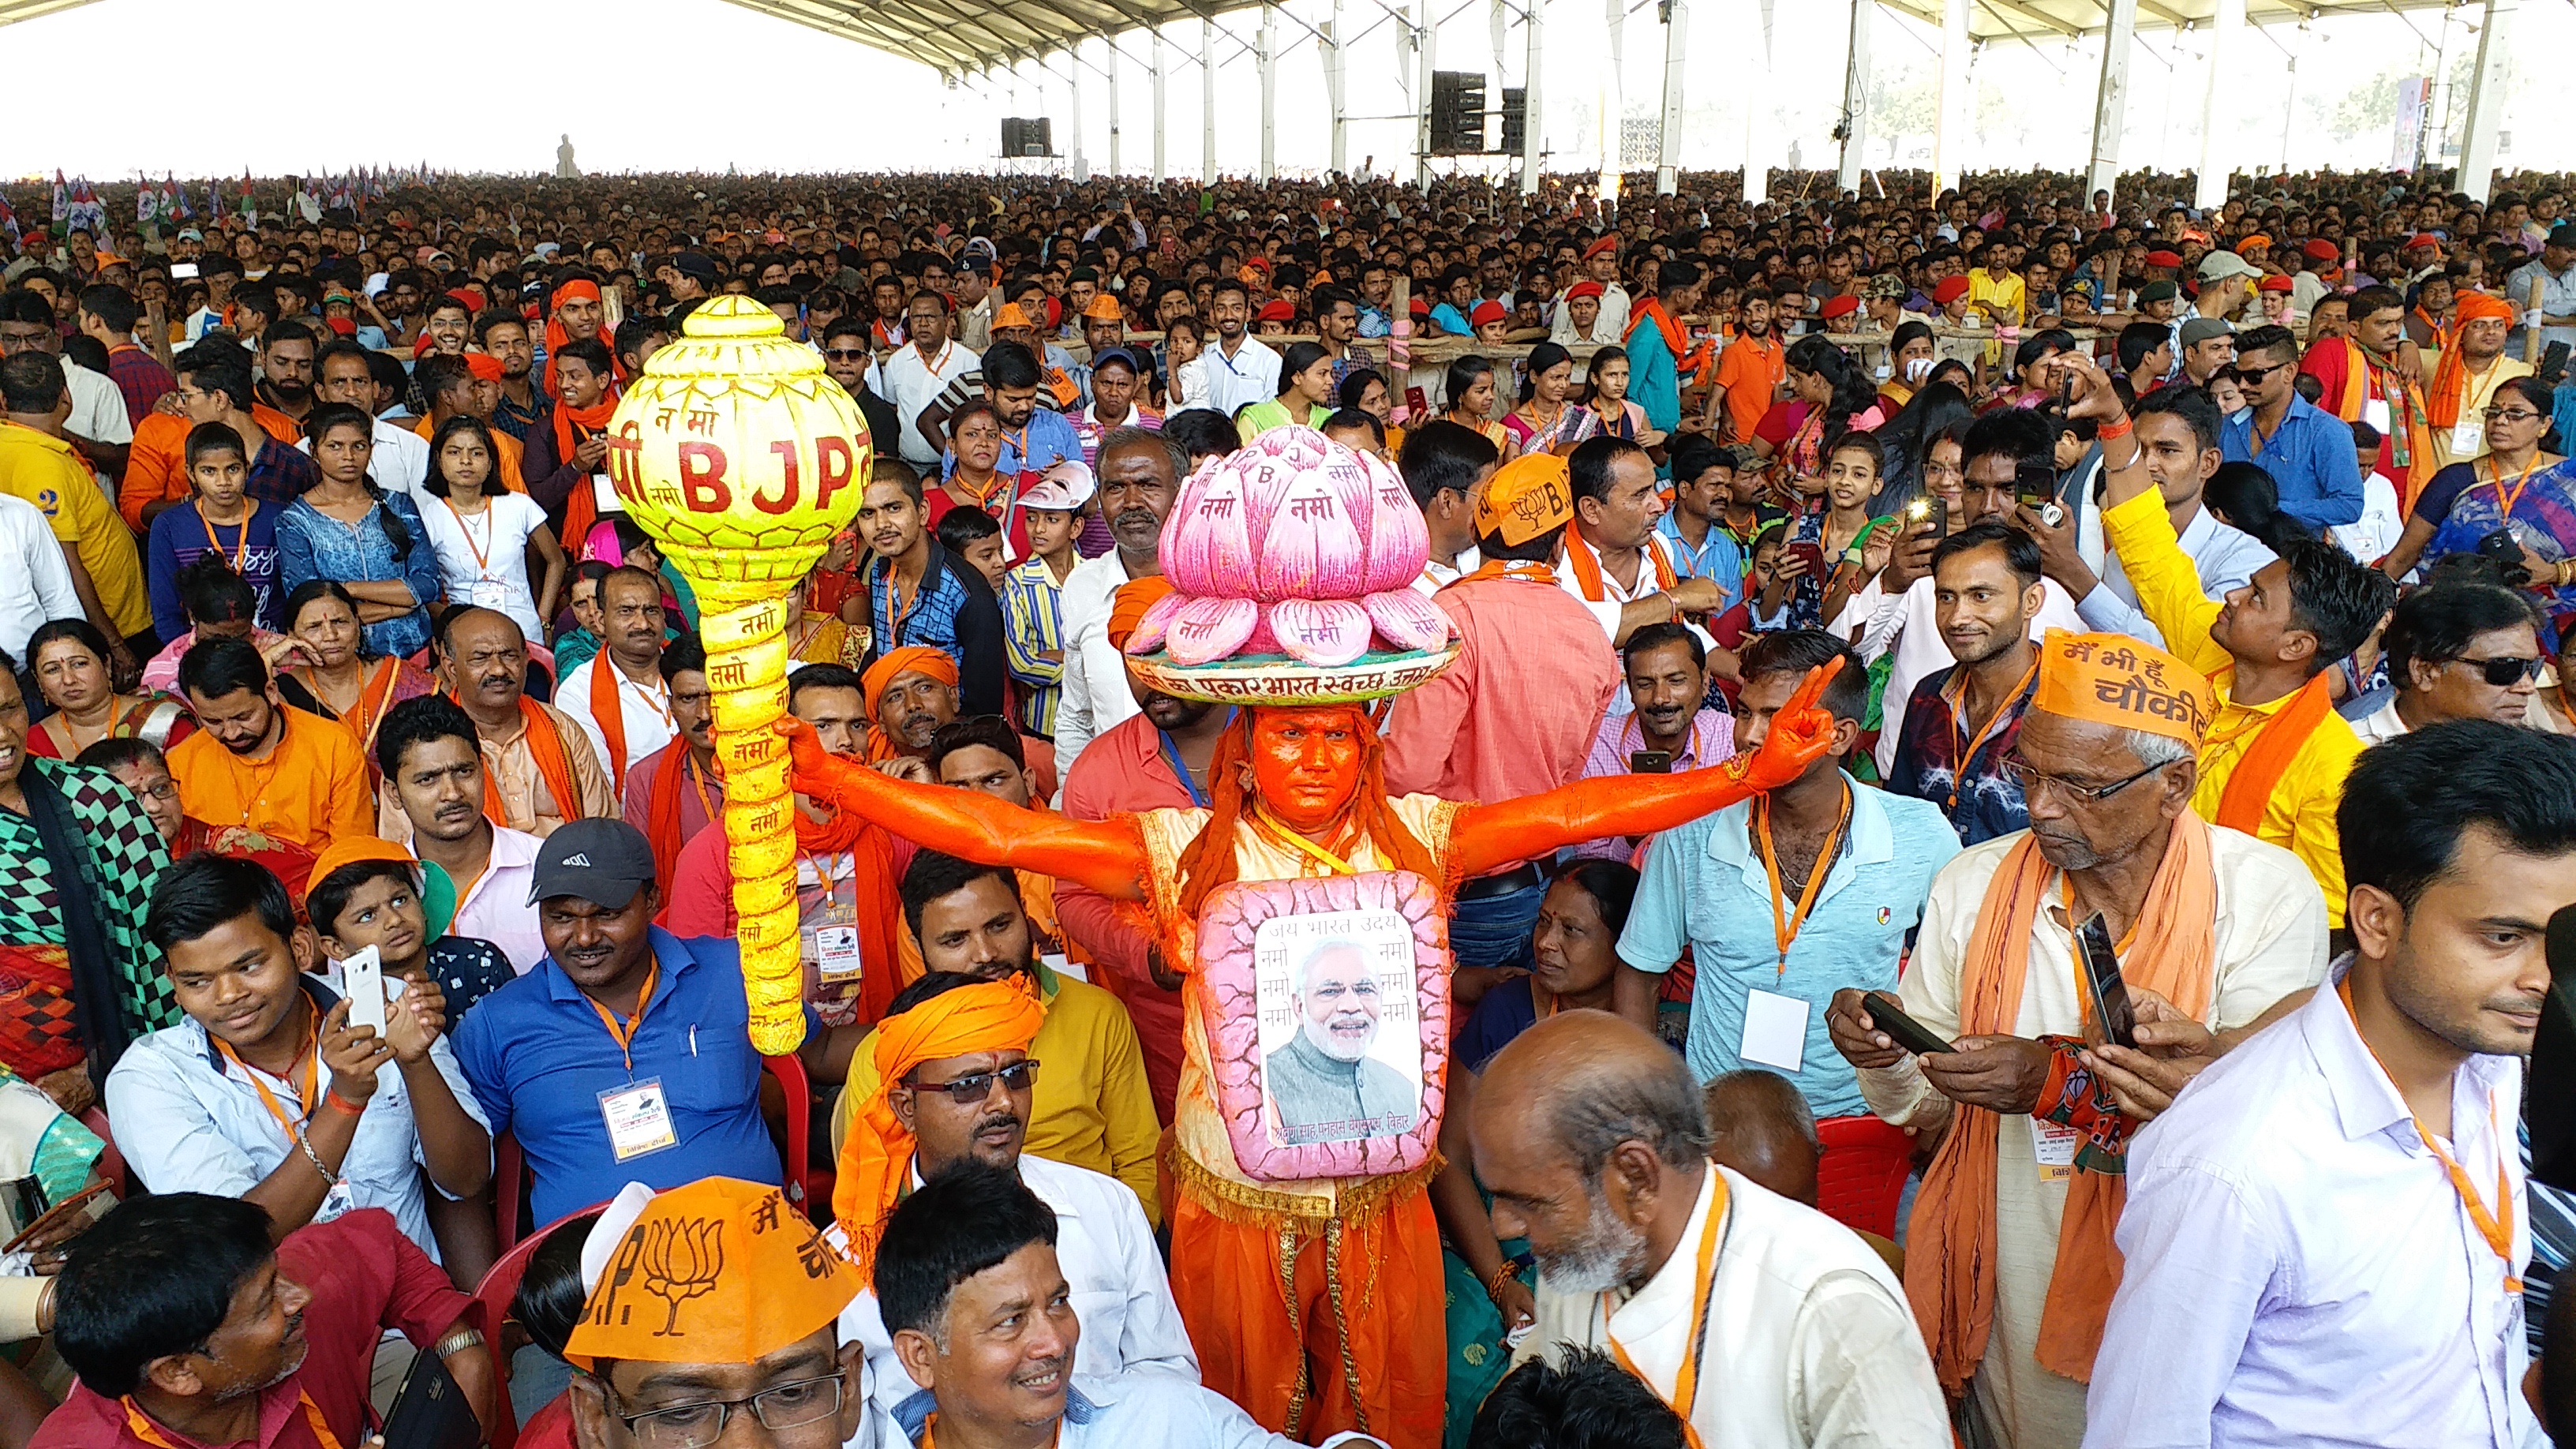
{"points": [[565, 170]]}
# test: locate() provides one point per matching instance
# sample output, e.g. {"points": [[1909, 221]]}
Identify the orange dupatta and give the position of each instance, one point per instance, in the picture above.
{"points": [[668, 781], [1587, 565], [2406, 416], [1699, 363], [545, 747], [581, 506], [2276, 744], [1950, 1263]]}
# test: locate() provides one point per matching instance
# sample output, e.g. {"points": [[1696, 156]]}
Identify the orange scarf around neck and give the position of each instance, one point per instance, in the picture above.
{"points": [[1950, 1263], [1507, 568], [669, 780], [581, 507], [1587, 565], [2276, 745], [1695, 365], [545, 748]]}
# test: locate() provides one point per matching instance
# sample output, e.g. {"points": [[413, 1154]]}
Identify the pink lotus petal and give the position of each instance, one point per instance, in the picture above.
{"points": [[1205, 630], [1323, 632], [1310, 547], [1264, 640], [1407, 620], [1399, 543], [1207, 550], [1158, 619]]}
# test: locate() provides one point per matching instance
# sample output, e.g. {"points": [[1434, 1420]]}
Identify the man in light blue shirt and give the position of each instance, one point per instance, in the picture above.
{"points": [[2178, 433], [982, 1319], [1844, 869], [266, 1092]]}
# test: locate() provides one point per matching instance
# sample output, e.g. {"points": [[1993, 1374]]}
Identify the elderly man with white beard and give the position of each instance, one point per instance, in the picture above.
{"points": [[1594, 1141]]}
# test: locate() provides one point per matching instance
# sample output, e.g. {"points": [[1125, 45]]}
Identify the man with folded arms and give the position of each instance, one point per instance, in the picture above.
{"points": [[2009, 1260]]}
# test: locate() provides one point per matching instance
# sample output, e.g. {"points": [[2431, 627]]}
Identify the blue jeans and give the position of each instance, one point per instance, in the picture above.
{"points": [[1495, 930]]}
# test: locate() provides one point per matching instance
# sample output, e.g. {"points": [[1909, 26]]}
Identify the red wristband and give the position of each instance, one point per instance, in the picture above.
{"points": [[342, 1104], [2119, 429]]}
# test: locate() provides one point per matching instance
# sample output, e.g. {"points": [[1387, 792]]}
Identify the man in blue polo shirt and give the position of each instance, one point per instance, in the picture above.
{"points": [[626, 1055], [2307, 450], [1787, 897]]}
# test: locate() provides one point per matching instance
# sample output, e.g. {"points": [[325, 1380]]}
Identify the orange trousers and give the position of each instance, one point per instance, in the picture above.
{"points": [[1316, 1329]]}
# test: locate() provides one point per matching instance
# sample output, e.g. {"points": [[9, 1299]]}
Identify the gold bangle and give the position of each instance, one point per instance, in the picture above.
{"points": [[1507, 1273]]}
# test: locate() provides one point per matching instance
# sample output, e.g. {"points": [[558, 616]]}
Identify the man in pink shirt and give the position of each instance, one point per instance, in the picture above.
{"points": [[1516, 714], [1669, 730], [1155, 760]]}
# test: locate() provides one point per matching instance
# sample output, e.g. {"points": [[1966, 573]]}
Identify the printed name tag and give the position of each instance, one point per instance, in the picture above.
{"points": [[639, 1120], [836, 953], [489, 593], [2055, 1146]]}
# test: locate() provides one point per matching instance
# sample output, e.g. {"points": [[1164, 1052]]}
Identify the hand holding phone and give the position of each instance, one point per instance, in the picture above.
{"points": [[2102, 980], [1904, 1030], [362, 978]]}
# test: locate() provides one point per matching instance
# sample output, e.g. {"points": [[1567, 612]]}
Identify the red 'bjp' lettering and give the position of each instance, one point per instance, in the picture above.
{"points": [[786, 499], [834, 460], [702, 485]]}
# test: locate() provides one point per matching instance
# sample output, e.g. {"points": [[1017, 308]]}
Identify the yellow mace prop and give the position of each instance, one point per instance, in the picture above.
{"points": [[742, 459]]}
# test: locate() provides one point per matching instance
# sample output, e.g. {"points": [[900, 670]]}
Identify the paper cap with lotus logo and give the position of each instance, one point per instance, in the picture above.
{"points": [[719, 1271]]}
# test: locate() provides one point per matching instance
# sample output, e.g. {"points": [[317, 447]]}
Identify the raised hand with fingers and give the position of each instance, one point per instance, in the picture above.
{"points": [[1800, 733]]}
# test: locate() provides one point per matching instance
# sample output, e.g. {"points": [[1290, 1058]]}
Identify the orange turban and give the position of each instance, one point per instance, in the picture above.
{"points": [[2115, 680], [721, 1271], [1128, 606], [2447, 397], [483, 365], [989, 1016], [2478, 306], [880, 677], [556, 336]]}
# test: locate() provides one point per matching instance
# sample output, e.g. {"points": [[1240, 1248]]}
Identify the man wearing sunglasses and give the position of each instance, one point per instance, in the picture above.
{"points": [[847, 359], [2456, 651], [949, 1082], [2307, 450]]}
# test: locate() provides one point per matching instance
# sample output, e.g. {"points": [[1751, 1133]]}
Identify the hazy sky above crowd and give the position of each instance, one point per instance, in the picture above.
{"points": [[200, 87]]}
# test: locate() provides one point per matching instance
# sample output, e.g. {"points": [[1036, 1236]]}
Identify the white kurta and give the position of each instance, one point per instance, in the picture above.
{"points": [[1809, 1339], [2271, 941]]}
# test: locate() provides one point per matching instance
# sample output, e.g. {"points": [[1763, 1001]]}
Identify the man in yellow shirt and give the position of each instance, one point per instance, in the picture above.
{"points": [[1995, 289], [38, 465], [1092, 1108], [2276, 753]]}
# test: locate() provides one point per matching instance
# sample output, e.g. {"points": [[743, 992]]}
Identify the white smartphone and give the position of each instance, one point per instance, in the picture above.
{"points": [[362, 976]]}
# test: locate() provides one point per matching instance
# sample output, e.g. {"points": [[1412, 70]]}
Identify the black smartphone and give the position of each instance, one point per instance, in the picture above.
{"points": [[1650, 762], [2549, 1091], [1937, 513], [2501, 546], [430, 1411], [2119, 1021], [2553, 362], [1885, 1015]]}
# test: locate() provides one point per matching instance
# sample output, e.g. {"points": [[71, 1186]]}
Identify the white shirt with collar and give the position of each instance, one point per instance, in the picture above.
{"points": [[98, 413], [2225, 558], [1437, 575], [1808, 1338], [2380, 725], [912, 382], [190, 1120], [1251, 375], [494, 906], [646, 709], [1614, 600], [1094, 694], [2289, 1236], [35, 583], [398, 463], [1130, 1323]]}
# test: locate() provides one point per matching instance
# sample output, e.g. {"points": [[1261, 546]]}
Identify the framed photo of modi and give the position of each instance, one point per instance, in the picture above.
{"points": [[1331, 1054]]}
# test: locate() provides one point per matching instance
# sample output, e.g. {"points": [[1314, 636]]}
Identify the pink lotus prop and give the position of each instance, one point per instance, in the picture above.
{"points": [[1293, 545]]}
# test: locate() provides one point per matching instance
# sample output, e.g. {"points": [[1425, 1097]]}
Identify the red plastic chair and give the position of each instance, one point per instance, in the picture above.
{"points": [[1861, 1176], [798, 1090], [509, 1170], [111, 1163], [491, 1305]]}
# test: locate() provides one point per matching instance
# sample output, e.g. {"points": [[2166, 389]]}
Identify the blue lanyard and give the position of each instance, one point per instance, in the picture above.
{"points": [[1181, 772]]}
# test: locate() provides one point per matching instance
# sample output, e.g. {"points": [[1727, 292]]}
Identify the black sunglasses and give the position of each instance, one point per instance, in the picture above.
{"points": [[2504, 669], [2253, 376], [974, 1087], [846, 354]]}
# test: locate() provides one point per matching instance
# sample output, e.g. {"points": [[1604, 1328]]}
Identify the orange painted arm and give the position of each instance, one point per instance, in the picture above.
{"points": [[1106, 855], [1488, 837]]}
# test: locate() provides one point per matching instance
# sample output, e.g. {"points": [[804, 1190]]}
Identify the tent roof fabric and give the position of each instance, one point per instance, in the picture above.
{"points": [[956, 37]]}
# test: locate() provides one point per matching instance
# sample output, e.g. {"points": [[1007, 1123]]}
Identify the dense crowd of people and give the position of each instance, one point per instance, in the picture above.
{"points": [[2111, 661]]}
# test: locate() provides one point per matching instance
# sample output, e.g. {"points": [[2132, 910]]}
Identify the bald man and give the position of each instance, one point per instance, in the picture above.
{"points": [[1760, 1126], [1814, 1331]]}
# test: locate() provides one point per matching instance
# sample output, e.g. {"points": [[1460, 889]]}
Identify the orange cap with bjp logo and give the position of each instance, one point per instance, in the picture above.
{"points": [[721, 1271], [1528, 496]]}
